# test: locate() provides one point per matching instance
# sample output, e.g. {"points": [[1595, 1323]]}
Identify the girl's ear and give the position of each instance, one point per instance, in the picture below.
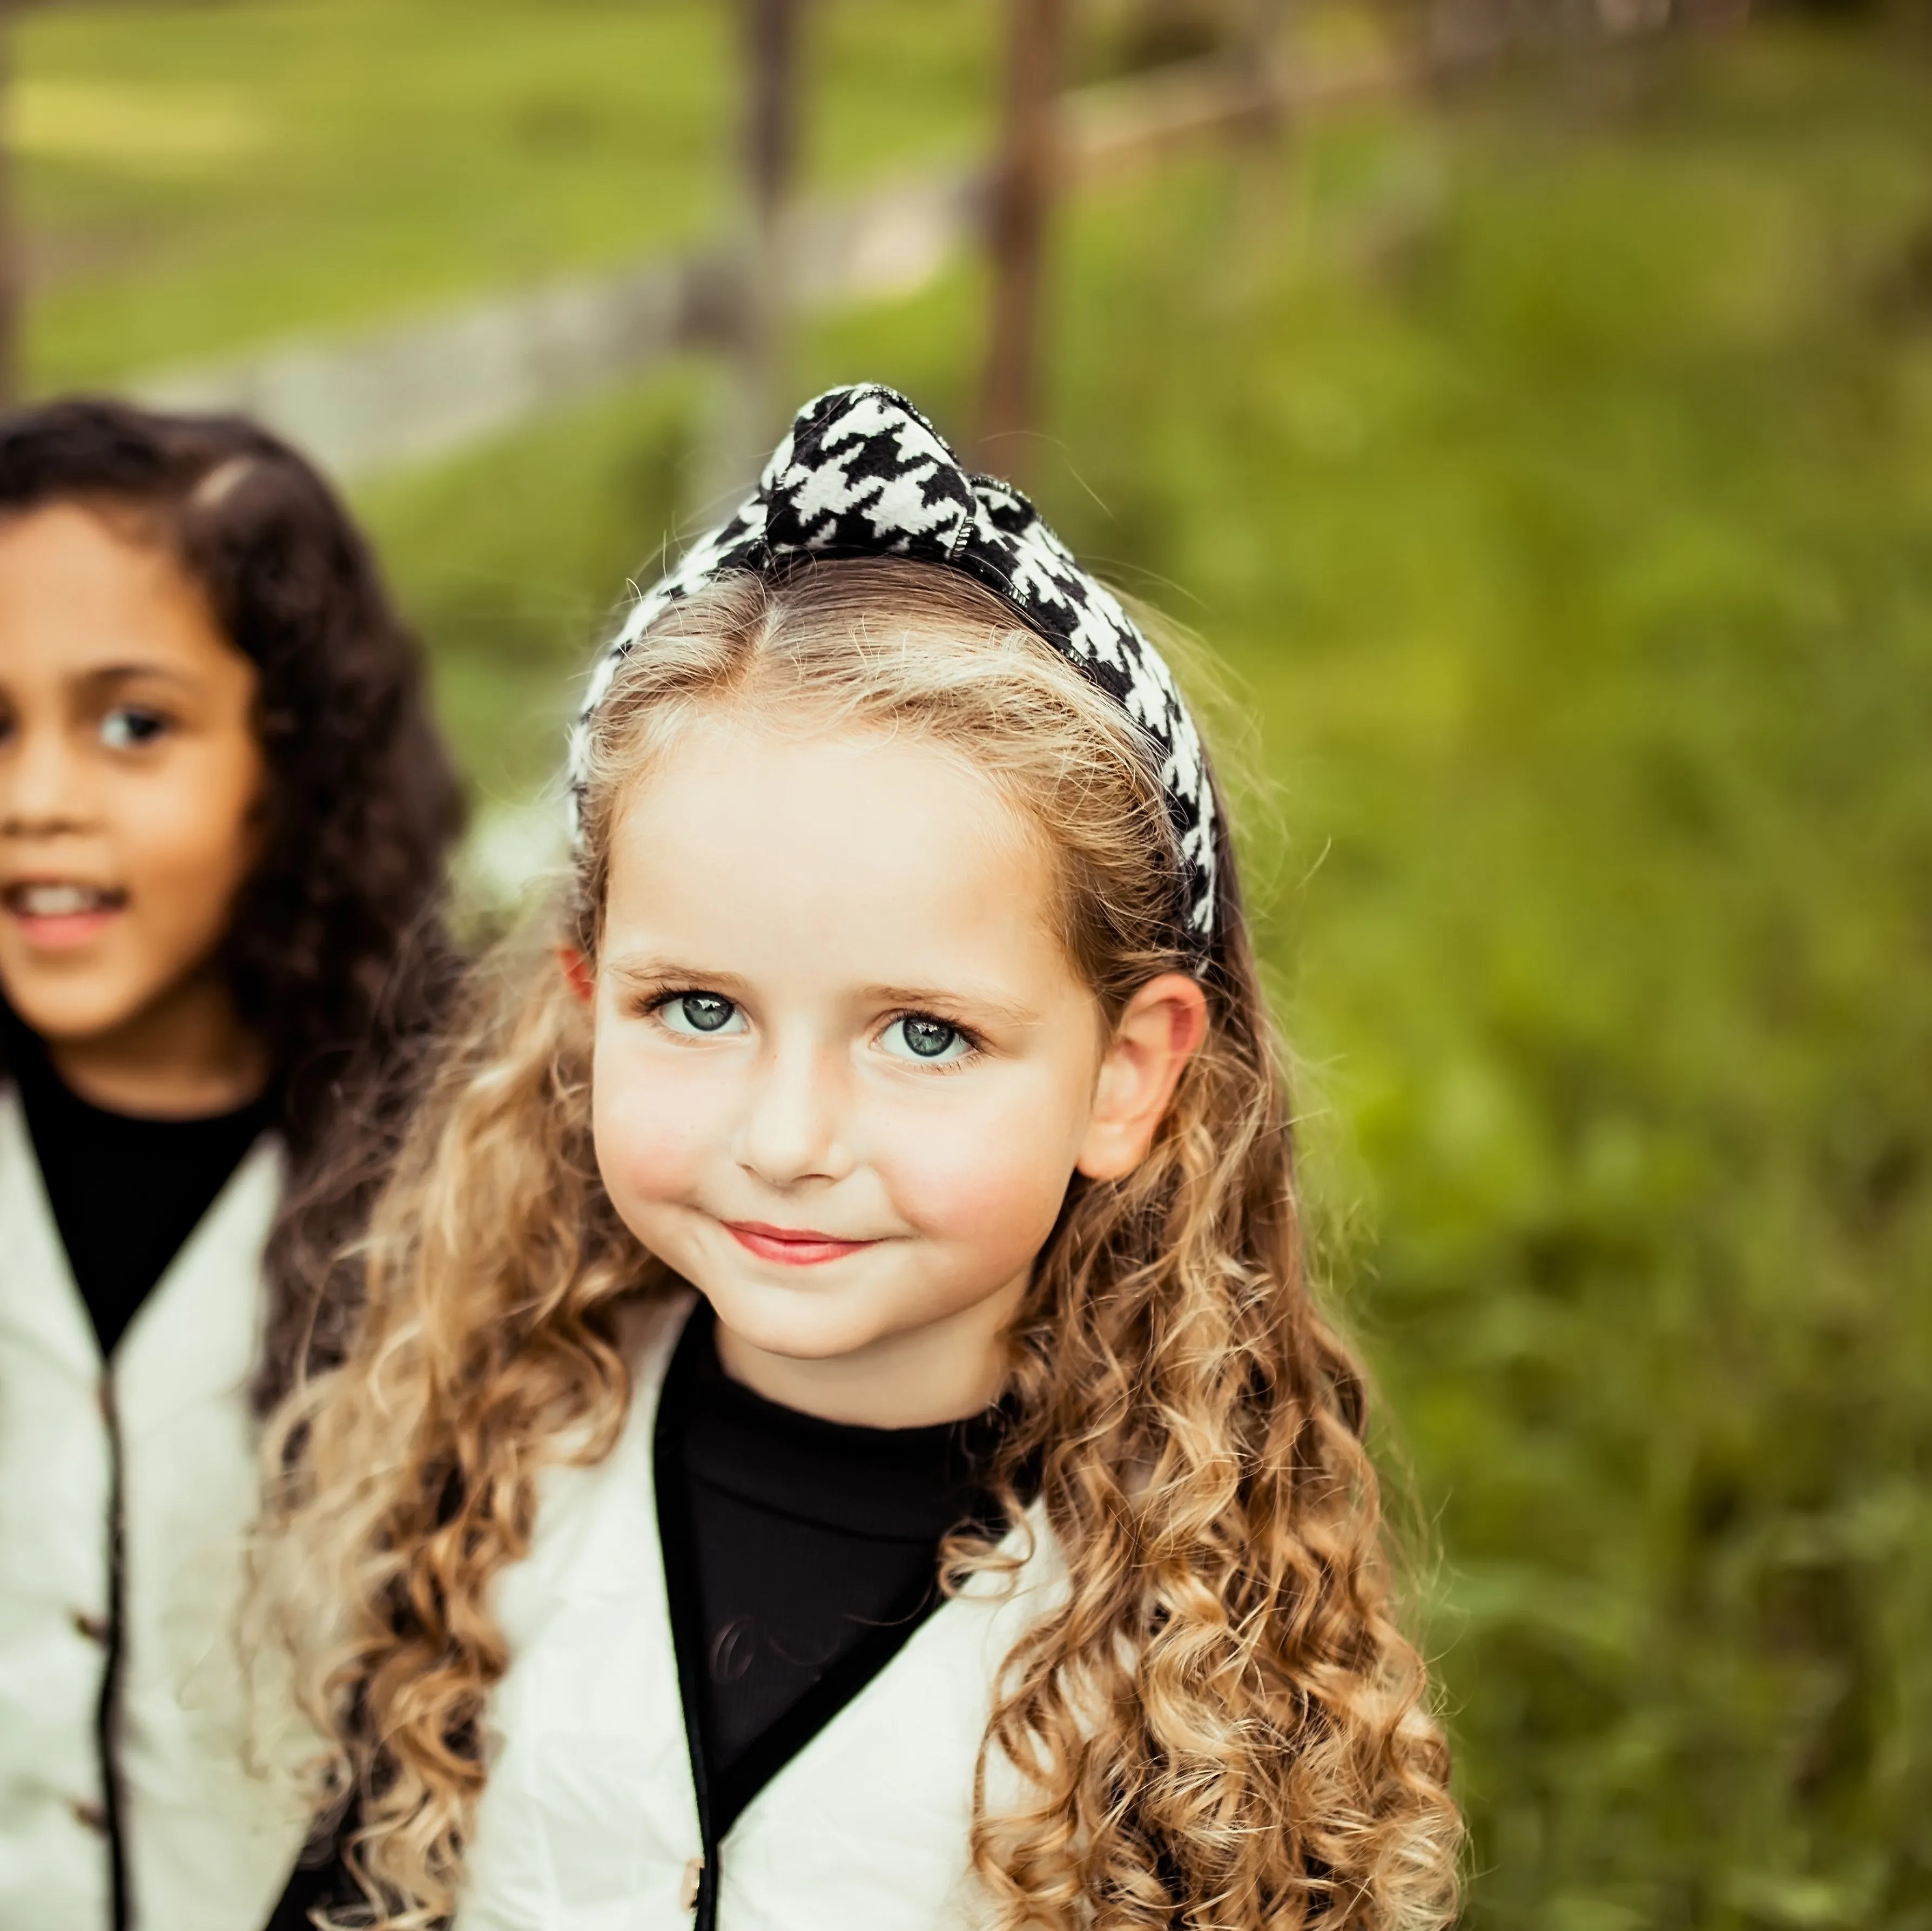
{"points": [[1160, 1031], [577, 970]]}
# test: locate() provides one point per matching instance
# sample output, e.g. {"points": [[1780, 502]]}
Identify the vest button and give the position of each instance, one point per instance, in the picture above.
{"points": [[687, 1893], [94, 1628], [92, 1815]]}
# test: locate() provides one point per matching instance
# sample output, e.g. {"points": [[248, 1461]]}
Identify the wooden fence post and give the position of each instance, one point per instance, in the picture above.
{"points": [[771, 156], [772, 132], [750, 328], [1025, 179], [1261, 48]]}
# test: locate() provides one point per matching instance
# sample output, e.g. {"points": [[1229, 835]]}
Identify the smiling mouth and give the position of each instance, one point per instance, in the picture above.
{"points": [[791, 1246], [61, 912], [51, 898]]}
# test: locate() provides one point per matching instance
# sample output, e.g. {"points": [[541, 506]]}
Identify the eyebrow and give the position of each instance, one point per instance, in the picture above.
{"points": [[109, 674], [647, 971], [105, 679], [987, 1003]]}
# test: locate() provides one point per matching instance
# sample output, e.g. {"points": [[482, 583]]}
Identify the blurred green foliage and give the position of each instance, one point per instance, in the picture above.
{"points": [[199, 175], [1552, 473], [1558, 476]]}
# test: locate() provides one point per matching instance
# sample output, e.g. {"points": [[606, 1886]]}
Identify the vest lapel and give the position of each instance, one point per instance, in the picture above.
{"points": [[40, 1307], [588, 1818], [211, 1823]]}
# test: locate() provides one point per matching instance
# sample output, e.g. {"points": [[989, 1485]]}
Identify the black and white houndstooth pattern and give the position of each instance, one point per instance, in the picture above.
{"points": [[861, 473]]}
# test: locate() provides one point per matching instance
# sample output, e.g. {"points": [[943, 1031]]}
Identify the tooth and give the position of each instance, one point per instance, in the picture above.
{"points": [[59, 901]]}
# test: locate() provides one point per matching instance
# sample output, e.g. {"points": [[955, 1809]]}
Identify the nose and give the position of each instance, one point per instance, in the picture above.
{"points": [[43, 787], [793, 1129]]}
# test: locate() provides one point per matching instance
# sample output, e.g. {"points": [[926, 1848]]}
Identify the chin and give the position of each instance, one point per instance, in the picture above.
{"points": [[70, 1014], [800, 1324]]}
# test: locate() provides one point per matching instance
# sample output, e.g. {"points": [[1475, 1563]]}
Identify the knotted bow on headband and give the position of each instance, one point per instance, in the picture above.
{"points": [[861, 473]]}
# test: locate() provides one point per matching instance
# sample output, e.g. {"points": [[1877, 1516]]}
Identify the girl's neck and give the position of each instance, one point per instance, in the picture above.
{"points": [[186, 1056]]}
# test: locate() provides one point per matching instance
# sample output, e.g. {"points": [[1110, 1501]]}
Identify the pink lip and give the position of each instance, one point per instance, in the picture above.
{"points": [[791, 1246], [68, 930]]}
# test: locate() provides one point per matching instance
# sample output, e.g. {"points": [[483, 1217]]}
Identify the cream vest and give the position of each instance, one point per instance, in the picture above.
{"points": [[208, 1843], [588, 1821]]}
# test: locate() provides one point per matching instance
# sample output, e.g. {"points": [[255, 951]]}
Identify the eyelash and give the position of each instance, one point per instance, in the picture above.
{"points": [[653, 1003]]}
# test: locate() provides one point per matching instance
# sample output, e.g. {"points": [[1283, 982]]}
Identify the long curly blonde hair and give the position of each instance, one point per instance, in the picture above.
{"points": [[1223, 1726]]}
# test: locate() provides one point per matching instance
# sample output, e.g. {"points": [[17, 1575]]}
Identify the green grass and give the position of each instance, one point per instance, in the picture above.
{"points": [[1551, 476], [197, 177]]}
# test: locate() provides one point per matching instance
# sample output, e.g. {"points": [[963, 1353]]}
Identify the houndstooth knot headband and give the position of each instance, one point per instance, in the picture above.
{"points": [[861, 473]]}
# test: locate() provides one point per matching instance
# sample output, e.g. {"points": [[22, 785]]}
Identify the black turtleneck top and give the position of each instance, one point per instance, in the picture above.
{"points": [[126, 1192], [800, 1555]]}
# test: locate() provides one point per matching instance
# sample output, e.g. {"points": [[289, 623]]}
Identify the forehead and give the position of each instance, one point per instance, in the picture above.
{"points": [[81, 591], [855, 857]]}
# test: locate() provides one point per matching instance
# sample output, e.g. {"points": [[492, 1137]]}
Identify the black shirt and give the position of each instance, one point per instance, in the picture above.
{"points": [[812, 1551], [126, 1192]]}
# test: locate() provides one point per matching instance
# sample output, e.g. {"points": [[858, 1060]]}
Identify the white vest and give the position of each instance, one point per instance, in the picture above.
{"points": [[208, 1843], [588, 1821]]}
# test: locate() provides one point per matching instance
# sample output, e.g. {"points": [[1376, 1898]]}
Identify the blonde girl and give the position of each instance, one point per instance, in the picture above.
{"points": [[841, 1436]]}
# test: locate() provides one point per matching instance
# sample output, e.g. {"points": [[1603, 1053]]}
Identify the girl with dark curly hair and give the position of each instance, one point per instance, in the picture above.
{"points": [[224, 818]]}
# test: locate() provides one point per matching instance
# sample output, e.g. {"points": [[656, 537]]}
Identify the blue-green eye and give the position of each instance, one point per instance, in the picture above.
{"points": [[703, 1014], [127, 727], [932, 1041]]}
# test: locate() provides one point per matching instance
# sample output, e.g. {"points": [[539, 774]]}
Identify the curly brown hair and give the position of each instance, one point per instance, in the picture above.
{"points": [[1224, 1724], [338, 953]]}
